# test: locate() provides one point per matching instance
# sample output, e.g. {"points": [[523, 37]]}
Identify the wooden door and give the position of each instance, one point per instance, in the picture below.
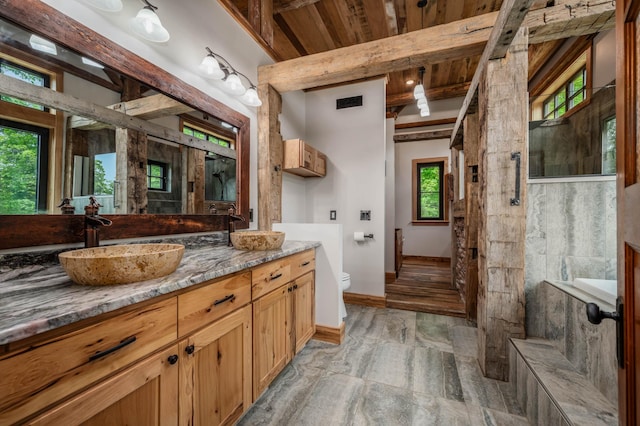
{"points": [[304, 318], [628, 195], [145, 394], [215, 375], [271, 336]]}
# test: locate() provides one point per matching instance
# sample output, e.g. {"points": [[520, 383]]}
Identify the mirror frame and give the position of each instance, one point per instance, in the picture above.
{"points": [[33, 230]]}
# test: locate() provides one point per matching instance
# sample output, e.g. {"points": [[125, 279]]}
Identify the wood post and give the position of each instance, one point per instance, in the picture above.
{"points": [[131, 149], [270, 158], [502, 107], [471, 195]]}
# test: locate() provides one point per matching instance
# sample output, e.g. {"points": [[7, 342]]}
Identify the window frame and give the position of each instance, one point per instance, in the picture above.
{"points": [[568, 97], [416, 165], [164, 178], [559, 75], [209, 129]]}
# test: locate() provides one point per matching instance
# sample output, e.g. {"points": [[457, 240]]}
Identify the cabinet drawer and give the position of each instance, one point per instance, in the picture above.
{"points": [[41, 374], [302, 263], [206, 304], [268, 277]]}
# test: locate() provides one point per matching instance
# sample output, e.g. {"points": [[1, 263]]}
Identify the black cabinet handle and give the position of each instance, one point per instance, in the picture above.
{"points": [[172, 359], [295, 287], [306, 263], [290, 289], [230, 297], [190, 349], [275, 277], [122, 344]]}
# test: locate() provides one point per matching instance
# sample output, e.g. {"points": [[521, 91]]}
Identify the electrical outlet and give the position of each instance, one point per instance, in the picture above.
{"points": [[332, 215], [365, 214], [250, 215]]}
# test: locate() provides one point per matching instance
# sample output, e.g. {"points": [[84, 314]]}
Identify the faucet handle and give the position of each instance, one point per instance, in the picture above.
{"points": [[232, 208], [212, 208]]}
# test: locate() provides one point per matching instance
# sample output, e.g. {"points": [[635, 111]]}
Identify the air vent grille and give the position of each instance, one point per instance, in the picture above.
{"points": [[354, 101]]}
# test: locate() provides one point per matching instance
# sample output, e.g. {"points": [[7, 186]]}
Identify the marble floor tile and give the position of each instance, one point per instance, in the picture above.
{"points": [[435, 373], [477, 389], [481, 416], [366, 322], [464, 340], [353, 357], [391, 364], [433, 330], [399, 326]]}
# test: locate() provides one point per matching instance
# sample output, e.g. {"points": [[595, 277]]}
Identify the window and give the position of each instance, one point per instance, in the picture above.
{"points": [[157, 175], [205, 136], [429, 188], [24, 152], [609, 146], [570, 94], [14, 70]]}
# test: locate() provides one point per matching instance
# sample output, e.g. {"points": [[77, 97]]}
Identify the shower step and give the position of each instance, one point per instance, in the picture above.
{"points": [[551, 390]]}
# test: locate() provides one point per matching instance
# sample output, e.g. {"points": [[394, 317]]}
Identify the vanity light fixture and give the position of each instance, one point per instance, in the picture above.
{"points": [[106, 5], [216, 67], [147, 25], [42, 45]]}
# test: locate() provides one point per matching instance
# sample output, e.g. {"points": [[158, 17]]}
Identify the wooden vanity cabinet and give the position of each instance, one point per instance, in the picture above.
{"points": [[283, 322], [145, 394], [302, 159], [215, 371]]}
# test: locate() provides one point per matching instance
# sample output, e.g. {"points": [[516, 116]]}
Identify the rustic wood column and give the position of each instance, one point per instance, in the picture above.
{"points": [[502, 107], [131, 149], [471, 198], [269, 158]]}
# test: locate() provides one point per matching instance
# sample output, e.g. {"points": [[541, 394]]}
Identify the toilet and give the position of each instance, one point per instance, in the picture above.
{"points": [[345, 283]]}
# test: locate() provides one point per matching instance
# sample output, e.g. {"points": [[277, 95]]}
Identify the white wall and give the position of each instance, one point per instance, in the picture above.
{"points": [[354, 141], [419, 240], [191, 30], [293, 126], [604, 59], [390, 198]]}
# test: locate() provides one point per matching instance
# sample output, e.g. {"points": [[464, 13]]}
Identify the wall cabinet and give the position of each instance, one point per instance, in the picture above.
{"points": [[283, 320], [302, 159]]}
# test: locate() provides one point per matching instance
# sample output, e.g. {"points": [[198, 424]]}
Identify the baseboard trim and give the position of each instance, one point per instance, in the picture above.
{"points": [[426, 258], [330, 334], [365, 300]]}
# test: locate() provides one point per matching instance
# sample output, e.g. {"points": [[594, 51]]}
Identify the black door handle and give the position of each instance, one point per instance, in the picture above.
{"points": [[595, 316]]}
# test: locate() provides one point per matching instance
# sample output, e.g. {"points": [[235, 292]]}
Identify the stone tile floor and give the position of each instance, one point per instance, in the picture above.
{"points": [[394, 368]]}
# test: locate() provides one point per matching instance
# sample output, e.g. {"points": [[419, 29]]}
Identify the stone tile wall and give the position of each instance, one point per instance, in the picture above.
{"points": [[571, 233]]}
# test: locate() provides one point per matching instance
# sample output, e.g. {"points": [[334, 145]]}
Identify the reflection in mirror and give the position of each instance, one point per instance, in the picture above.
{"points": [[128, 171]]}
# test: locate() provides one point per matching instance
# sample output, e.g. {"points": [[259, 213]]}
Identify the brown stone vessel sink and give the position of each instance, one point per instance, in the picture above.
{"points": [[121, 264], [257, 240]]}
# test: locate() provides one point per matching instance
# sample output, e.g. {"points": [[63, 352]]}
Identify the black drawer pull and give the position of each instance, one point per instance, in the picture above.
{"points": [[306, 263], [289, 289], [122, 344], [295, 287], [275, 277], [224, 299]]}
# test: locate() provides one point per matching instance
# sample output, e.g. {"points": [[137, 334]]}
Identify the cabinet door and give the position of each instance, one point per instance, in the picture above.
{"points": [[271, 336], [215, 375], [142, 395], [304, 310]]}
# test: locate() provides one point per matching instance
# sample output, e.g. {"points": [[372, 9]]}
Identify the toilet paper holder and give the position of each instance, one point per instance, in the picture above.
{"points": [[368, 235]]}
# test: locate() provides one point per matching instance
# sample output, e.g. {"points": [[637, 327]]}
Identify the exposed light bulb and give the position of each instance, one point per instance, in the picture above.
{"points": [[210, 68], [418, 91], [147, 25]]}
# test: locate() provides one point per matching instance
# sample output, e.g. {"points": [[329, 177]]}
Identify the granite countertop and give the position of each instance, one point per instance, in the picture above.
{"points": [[37, 299]]}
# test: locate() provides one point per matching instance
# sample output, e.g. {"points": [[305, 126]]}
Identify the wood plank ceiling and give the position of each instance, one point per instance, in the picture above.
{"points": [[304, 27]]}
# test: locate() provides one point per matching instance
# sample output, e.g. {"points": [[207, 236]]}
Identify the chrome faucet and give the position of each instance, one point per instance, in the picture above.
{"points": [[91, 223]]}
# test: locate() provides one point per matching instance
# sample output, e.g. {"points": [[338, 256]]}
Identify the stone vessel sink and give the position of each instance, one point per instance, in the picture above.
{"points": [[121, 264], [257, 240]]}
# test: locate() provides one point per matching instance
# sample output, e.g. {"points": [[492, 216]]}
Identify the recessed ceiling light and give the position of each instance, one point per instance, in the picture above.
{"points": [[410, 82], [87, 61], [43, 45]]}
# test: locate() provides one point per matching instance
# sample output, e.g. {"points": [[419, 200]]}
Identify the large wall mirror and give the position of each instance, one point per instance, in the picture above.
{"points": [[74, 124]]}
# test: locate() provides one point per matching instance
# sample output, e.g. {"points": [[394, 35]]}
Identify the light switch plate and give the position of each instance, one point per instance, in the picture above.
{"points": [[332, 215], [365, 214]]}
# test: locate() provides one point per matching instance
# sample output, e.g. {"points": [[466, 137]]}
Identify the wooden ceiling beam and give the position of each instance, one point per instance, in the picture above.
{"points": [[426, 123], [440, 43], [150, 107], [510, 18], [280, 6], [433, 94], [427, 135], [570, 19], [551, 23]]}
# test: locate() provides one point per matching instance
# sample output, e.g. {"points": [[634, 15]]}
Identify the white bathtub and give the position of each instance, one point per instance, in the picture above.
{"points": [[606, 290]]}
